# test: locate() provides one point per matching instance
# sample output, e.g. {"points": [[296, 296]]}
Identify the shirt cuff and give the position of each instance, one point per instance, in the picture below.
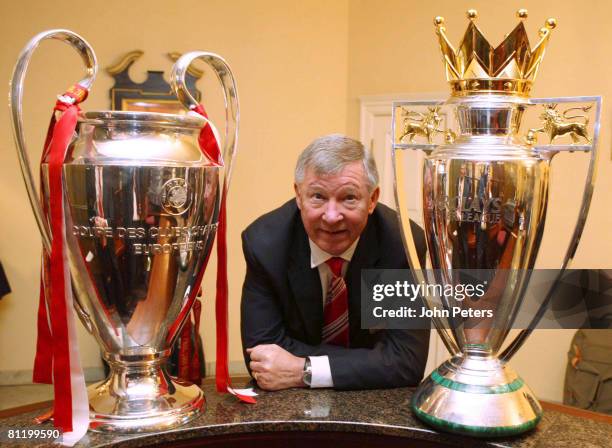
{"points": [[321, 372]]}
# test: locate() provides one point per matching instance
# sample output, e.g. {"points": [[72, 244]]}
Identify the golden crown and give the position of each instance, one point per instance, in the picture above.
{"points": [[478, 68]]}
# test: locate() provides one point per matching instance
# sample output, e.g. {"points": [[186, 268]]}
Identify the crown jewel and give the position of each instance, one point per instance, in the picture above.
{"points": [[478, 68]]}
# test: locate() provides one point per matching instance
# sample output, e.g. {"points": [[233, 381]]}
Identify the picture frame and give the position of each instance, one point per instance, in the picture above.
{"points": [[154, 94]]}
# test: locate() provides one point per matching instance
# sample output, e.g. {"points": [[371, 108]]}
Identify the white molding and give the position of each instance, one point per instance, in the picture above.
{"points": [[372, 106], [415, 96], [372, 109], [377, 106]]}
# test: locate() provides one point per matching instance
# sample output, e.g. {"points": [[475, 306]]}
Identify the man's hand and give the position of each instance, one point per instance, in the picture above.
{"points": [[274, 368]]}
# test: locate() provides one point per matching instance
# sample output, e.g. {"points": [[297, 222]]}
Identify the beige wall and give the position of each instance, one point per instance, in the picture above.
{"points": [[301, 67], [290, 60]]}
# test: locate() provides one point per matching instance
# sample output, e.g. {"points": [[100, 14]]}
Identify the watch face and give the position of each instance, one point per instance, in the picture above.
{"points": [[307, 375]]}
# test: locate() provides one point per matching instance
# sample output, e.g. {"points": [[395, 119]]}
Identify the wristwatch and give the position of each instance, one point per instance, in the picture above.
{"points": [[307, 373]]}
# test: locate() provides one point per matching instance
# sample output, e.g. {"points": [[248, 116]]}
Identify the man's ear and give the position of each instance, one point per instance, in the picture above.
{"points": [[298, 198], [374, 200]]}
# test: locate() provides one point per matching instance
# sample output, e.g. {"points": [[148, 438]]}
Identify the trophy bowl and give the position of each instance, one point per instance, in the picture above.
{"points": [[141, 205], [485, 196]]}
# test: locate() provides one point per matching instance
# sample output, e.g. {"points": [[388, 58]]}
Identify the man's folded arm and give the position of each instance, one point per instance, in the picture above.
{"points": [[397, 359]]}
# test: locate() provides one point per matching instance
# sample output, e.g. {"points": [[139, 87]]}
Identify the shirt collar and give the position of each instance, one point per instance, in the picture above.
{"points": [[318, 256]]}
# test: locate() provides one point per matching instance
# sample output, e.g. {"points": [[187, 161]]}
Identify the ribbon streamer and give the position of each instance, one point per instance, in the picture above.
{"points": [[210, 148], [57, 357]]}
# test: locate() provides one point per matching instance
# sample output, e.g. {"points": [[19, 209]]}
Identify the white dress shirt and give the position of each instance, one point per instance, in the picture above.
{"points": [[321, 372]]}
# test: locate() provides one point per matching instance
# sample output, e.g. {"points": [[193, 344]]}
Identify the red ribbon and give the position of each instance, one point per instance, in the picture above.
{"points": [[207, 140], [195, 368], [53, 343], [210, 148], [185, 350]]}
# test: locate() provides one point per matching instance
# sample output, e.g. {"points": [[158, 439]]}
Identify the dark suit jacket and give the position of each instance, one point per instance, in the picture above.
{"points": [[282, 300]]}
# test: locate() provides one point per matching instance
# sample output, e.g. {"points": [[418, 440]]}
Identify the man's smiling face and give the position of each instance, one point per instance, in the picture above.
{"points": [[335, 207]]}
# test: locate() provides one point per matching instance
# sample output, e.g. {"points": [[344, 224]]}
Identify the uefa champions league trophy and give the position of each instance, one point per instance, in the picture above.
{"points": [[141, 205], [485, 197]]}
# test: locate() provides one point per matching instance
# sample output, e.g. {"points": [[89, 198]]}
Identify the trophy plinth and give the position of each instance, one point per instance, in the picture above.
{"points": [[484, 200]]}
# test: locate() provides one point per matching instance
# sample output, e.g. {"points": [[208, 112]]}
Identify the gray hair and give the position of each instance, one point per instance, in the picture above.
{"points": [[331, 153]]}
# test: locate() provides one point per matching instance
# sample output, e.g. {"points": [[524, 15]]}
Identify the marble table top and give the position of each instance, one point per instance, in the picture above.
{"points": [[372, 412]]}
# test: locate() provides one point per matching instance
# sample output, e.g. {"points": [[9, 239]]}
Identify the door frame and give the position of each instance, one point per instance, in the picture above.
{"points": [[371, 108]]}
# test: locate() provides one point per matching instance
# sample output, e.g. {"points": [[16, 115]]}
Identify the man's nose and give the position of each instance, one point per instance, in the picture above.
{"points": [[332, 214]]}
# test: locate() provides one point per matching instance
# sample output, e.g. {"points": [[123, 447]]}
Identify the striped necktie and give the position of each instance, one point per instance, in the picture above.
{"points": [[335, 311]]}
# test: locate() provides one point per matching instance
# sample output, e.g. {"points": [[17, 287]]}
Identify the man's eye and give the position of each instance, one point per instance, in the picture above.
{"points": [[317, 198], [350, 198]]}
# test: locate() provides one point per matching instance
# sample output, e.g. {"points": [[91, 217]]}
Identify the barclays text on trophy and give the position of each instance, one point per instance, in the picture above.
{"points": [[485, 187]]}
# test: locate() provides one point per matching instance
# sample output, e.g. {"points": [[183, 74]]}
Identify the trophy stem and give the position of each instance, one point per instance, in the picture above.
{"points": [[140, 396], [490, 116]]}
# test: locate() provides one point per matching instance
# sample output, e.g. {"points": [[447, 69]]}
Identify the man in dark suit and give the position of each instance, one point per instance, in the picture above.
{"points": [[300, 311]]}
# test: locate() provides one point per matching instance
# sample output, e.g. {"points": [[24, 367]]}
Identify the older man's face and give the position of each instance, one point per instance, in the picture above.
{"points": [[335, 207]]}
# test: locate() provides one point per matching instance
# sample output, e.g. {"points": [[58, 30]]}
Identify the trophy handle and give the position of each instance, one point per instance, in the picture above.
{"points": [[228, 83], [551, 151], [416, 269], [15, 104]]}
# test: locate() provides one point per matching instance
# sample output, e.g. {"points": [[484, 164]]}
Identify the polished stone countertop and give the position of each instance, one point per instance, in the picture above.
{"points": [[372, 412]]}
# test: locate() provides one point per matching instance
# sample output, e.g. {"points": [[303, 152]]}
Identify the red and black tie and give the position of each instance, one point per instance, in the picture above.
{"points": [[335, 311]]}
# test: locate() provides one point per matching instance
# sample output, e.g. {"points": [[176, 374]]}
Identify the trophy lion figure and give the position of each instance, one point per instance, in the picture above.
{"points": [[418, 123], [556, 124]]}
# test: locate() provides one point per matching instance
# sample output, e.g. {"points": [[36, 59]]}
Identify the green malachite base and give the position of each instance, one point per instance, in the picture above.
{"points": [[475, 431], [445, 390], [474, 389]]}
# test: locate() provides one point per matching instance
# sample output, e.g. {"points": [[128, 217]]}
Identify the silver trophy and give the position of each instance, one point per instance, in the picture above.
{"points": [[142, 203], [484, 198]]}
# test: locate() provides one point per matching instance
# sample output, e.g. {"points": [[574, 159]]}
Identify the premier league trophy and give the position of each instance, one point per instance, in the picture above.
{"points": [[485, 197], [139, 198]]}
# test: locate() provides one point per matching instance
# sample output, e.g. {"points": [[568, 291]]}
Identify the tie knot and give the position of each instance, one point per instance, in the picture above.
{"points": [[335, 264]]}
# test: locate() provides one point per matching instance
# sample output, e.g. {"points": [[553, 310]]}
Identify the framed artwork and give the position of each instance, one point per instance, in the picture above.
{"points": [[152, 95]]}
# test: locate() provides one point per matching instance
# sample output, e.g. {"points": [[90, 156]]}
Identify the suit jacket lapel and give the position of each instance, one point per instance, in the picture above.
{"points": [[366, 256], [305, 284]]}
